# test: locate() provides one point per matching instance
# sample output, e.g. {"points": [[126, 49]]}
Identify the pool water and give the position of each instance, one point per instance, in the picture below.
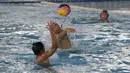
{"points": [[96, 47]]}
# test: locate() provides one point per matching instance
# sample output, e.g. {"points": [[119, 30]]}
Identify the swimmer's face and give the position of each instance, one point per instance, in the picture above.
{"points": [[104, 16], [57, 29]]}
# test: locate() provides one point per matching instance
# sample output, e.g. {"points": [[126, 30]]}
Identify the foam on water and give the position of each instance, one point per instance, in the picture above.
{"points": [[96, 47]]}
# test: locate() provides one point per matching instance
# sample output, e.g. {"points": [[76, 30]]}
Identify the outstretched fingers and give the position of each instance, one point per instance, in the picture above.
{"points": [[50, 26]]}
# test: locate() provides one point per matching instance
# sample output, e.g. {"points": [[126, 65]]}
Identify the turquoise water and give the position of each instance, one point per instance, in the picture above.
{"points": [[96, 47]]}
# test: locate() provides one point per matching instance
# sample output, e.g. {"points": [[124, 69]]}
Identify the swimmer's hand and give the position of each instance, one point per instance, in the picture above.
{"points": [[70, 30], [50, 26]]}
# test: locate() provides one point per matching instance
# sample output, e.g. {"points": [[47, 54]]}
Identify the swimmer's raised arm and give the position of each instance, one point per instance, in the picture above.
{"points": [[45, 55], [51, 51]]}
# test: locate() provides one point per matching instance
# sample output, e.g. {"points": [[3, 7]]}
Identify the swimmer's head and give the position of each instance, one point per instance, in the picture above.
{"points": [[104, 15], [37, 48]]}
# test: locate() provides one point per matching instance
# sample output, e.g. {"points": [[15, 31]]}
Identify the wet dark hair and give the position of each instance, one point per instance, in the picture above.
{"points": [[105, 12], [38, 47]]}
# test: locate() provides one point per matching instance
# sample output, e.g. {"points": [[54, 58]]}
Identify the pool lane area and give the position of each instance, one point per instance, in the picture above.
{"points": [[97, 47]]}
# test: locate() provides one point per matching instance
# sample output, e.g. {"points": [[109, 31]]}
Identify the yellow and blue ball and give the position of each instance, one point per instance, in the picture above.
{"points": [[64, 10]]}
